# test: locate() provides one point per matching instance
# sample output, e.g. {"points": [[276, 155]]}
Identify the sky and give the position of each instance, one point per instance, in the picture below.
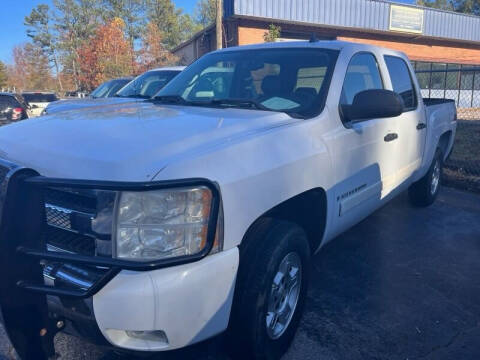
{"points": [[13, 13]]}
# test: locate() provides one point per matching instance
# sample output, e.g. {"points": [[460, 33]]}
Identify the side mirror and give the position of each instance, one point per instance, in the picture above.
{"points": [[374, 104]]}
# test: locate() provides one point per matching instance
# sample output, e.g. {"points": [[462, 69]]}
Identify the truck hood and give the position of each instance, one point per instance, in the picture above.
{"points": [[126, 142], [77, 104]]}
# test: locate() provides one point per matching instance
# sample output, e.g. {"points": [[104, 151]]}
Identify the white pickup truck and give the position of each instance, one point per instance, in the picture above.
{"points": [[155, 225]]}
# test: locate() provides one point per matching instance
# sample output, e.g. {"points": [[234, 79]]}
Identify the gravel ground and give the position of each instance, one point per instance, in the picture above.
{"points": [[402, 284]]}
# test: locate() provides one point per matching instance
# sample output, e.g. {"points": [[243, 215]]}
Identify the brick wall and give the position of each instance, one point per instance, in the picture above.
{"points": [[250, 35], [434, 51]]}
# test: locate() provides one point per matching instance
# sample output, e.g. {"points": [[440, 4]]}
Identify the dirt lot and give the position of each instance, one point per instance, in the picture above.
{"points": [[462, 170], [403, 284]]}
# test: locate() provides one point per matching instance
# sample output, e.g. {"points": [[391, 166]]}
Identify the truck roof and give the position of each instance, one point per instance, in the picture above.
{"points": [[324, 44]]}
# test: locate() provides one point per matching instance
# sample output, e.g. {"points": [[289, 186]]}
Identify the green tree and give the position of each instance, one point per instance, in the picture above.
{"points": [[39, 29], [3, 75], [174, 25], [467, 6], [437, 4], [132, 12], [205, 12], [38, 74], [75, 22], [273, 33], [463, 6]]}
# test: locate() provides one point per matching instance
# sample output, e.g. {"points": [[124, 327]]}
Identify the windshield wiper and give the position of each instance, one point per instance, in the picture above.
{"points": [[170, 99], [253, 104], [134, 96], [240, 103]]}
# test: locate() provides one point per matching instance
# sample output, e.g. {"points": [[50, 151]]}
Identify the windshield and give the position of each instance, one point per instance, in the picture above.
{"points": [[109, 88], [294, 81], [39, 97], [147, 84]]}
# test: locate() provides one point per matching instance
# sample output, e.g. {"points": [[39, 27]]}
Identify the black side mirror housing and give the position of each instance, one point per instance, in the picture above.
{"points": [[374, 104]]}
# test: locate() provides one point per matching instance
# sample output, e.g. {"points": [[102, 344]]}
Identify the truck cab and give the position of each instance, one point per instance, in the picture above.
{"points": [[154, 225]]}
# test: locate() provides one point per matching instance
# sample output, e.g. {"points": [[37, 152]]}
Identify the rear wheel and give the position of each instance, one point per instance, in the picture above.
{"points": [[271, 291], [425, 191]]}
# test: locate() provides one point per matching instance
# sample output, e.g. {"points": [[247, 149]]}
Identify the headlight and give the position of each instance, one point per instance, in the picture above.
{"points": [[159, 224]]}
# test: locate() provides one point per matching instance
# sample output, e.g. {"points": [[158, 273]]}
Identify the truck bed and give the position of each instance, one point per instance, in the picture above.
{"points": [[435, 101]]}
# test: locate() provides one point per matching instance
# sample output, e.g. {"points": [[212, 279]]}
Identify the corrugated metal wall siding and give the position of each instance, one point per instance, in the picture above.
{"points": [[452, 26], [366, 14]]}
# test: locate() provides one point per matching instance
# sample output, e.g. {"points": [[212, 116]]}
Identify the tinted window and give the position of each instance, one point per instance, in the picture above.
{"points": [[362, 74], [39, 97], [7, 101], [147, 84], [109, 88], [284, 80], [402, 81]]}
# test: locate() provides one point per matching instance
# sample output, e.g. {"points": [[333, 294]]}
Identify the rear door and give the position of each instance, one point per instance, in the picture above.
{"points": [[411, 124]]}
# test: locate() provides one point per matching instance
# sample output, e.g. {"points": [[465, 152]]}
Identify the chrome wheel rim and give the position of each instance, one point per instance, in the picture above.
{"points": [[284, 294], [435, 178]]}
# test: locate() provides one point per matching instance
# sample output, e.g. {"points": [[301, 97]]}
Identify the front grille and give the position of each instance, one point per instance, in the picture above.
{"points": [[75, 201], [58, 217], [68, 216], [69, 241]]}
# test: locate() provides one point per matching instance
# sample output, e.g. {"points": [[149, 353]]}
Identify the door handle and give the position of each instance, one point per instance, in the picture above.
{"points": [[421, 126], [390, 137]]}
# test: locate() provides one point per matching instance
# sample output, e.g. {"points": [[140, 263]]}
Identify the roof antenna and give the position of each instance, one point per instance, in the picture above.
{"points": [[313, 38]]}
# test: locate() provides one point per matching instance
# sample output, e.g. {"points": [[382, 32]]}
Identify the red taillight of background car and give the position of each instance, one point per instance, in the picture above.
{"points": [[17, 113]]}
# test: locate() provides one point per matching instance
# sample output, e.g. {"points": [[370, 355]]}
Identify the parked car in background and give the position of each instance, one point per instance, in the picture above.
{"points": [[110, 88], [166, 221], [142, 87], [38, 101], [13, 107], [75, 94]]}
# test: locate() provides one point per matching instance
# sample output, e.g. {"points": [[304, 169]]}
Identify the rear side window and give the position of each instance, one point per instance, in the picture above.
{"points": [[362, 74], [402, 81], [7, 101]]}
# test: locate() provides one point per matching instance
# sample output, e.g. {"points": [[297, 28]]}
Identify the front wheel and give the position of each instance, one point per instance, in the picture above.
{"points": [[271, 291], [425, 191]]}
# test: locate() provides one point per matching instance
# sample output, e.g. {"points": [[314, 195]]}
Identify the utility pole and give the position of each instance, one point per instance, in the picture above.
{"points": [[219, 24]]}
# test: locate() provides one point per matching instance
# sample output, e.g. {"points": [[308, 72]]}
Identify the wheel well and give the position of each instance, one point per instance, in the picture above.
{"points": [[308, 210], [443, 142]]}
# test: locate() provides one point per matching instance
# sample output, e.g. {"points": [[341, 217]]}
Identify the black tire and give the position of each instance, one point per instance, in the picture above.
{"points": [[423, 192], [268, 244]]}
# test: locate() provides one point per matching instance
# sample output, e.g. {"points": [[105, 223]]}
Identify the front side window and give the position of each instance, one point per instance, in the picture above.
{"points": [[7, 102], [402, 81], [294, 81], [362, 74]]}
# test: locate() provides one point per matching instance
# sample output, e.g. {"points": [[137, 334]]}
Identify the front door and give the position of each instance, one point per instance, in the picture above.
{"points": [[363, 155]]}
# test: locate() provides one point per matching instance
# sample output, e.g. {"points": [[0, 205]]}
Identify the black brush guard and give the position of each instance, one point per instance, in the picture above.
{"points": [[23, 293]]}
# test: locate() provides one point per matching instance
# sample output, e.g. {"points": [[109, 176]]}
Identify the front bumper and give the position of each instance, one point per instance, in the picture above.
{"points": [[188, 303]]}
